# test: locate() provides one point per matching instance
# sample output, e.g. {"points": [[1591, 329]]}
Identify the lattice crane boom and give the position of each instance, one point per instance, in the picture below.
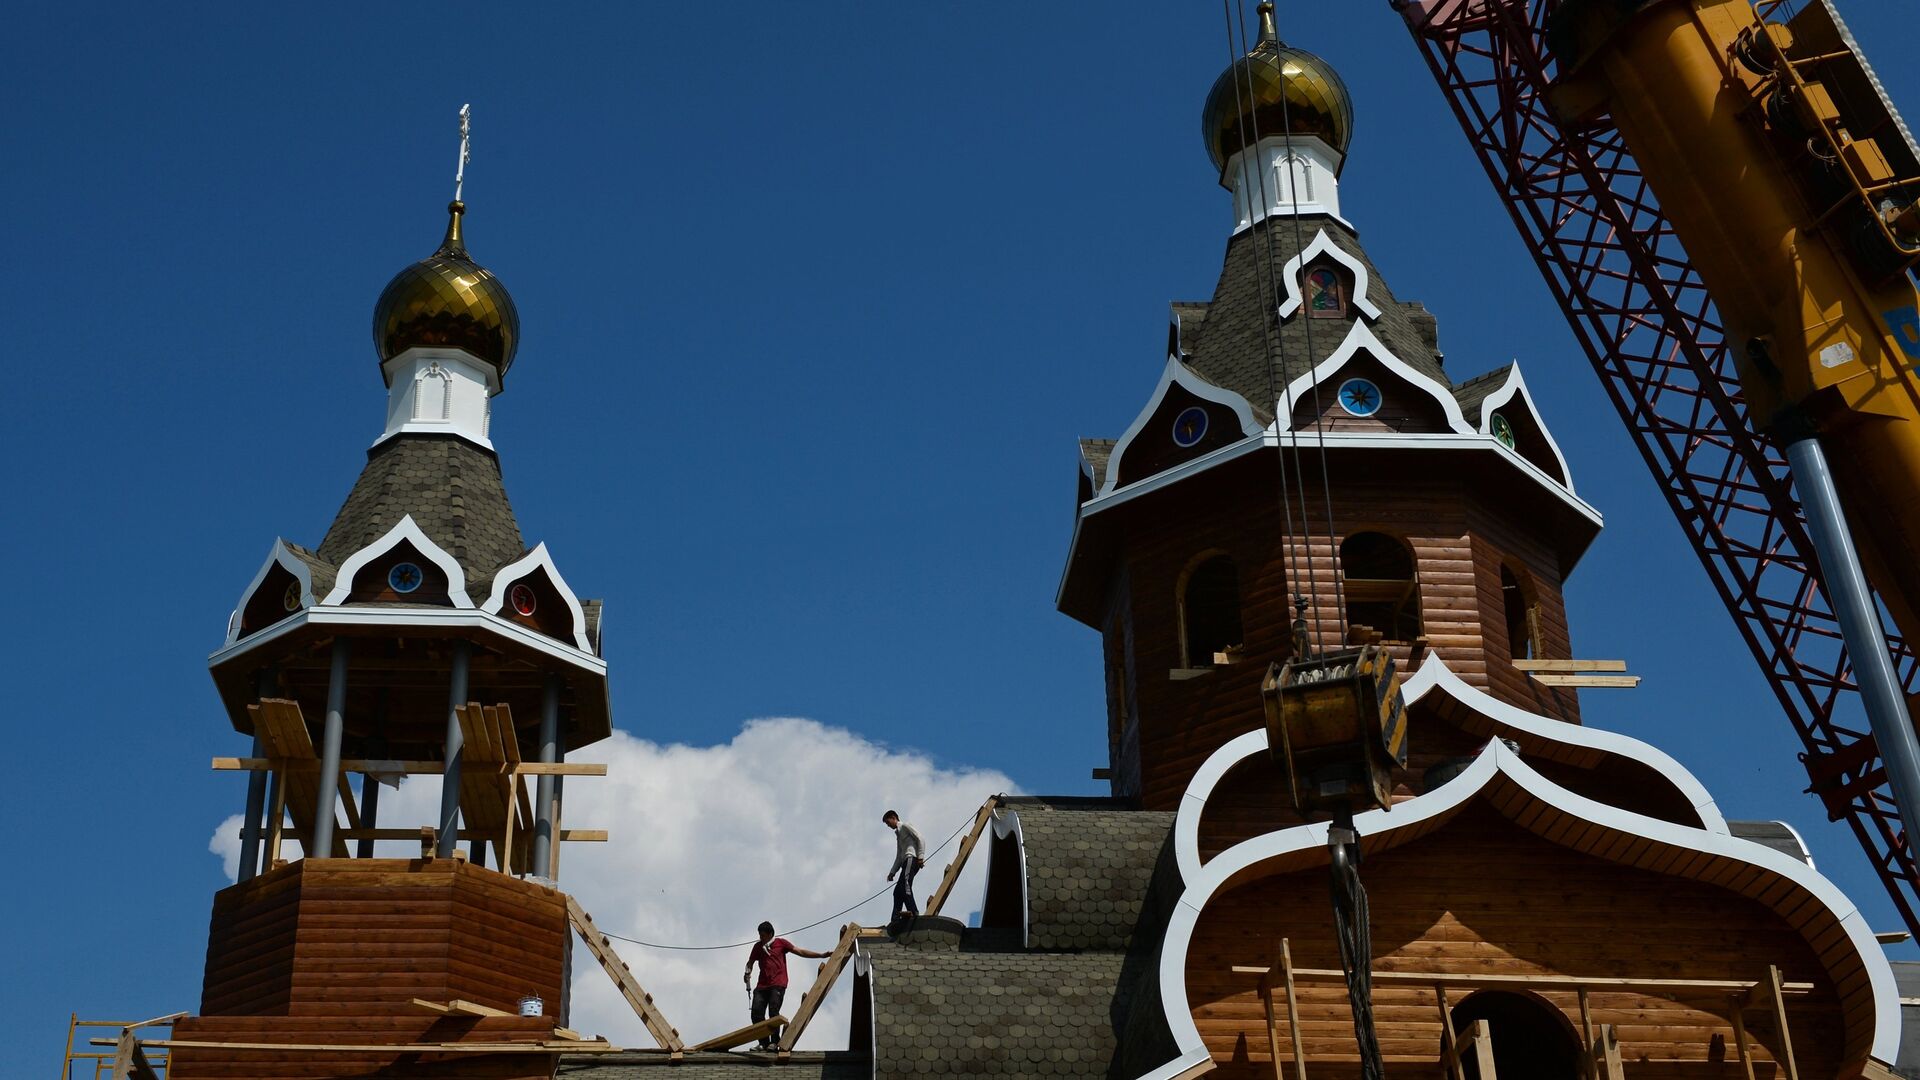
{"points": [[1641, 312]]}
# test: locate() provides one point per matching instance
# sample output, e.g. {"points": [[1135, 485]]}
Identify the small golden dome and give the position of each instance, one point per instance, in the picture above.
{"points": [[447, 300], [1275, 90]]}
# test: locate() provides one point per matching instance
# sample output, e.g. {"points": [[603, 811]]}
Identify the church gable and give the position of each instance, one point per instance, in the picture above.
{"points": [[1186, 418], [1357, 382]]}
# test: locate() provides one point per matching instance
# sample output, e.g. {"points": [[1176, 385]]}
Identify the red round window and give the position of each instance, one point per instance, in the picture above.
{"points": [[523, 600]]}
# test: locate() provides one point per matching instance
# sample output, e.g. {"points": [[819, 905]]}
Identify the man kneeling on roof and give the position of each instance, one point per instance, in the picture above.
{"points": [[771, 953]]}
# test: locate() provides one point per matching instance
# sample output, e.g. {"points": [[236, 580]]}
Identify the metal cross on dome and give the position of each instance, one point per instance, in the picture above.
{"points": [[466, 149]]}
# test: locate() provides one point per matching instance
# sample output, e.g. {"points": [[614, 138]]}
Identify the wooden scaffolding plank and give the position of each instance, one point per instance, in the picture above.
{"points": [[637, 998], [952, 875], [829, 971], [284, 736], [1567, 667], [750, 1033]]}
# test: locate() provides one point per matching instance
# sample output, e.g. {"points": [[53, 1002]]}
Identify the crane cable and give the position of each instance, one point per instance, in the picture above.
{"points": [[1268, 289], [799, 929]]}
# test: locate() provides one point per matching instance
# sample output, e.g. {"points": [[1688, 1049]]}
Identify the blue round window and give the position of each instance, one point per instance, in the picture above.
{"points": [[1190, 426], [1360, 397], [405, 577]]}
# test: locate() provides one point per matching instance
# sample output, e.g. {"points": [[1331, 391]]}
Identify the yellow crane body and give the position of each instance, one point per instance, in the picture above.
{"points": [[1792, 184]]}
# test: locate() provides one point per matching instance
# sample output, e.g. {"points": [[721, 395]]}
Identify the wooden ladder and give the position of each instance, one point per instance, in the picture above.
{"points": [[810, 1001], [959, 863], [637, 997]]}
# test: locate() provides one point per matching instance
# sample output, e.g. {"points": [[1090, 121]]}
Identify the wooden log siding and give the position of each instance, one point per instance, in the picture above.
{"points": [[1483, 896], [335, 950], [1458, 548]]}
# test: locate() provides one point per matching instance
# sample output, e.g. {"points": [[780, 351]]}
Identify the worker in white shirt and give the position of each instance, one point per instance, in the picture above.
{"points": [[910, 854]]}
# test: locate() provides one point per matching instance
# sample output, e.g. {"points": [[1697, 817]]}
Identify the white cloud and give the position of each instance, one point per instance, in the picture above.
{"points": [[781, 823]]}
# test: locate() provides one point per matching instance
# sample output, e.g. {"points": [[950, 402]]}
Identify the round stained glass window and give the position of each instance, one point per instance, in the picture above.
{"points": [[405, 577], [1502, 430], [1190, 426], [1360, 397], [522, 599]]}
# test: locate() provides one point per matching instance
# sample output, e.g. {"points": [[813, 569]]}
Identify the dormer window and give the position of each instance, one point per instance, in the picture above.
{"points": [[1326, 293], [1209, 611], [1377, 578]]}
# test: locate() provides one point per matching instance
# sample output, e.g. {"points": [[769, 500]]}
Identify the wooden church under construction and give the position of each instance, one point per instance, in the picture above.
{"points": [[1309, 474]]}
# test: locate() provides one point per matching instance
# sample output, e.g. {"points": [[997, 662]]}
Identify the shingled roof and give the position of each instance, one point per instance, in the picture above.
{"points": [[1229, 347], [451, 487]]}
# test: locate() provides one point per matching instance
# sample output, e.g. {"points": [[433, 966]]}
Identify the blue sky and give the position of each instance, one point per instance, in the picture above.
{"points": [[816, 300]]}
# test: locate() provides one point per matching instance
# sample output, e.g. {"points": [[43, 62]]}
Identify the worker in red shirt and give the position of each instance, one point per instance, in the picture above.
{"points": [[771, 954]]}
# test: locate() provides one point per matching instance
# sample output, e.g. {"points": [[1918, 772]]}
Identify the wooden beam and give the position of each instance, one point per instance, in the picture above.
{"points": [[750, 1033], [810, 1001], [1740, 1036], [1449, 1046], [1695, 987], [1293, 1011], [1609, 1060], [637, 998], [461, 1007], [1480, 1039], [384, 766], [1776, 990], [576, 835], [1613, 682], [1566, 667], [543, 1046], [952, 874], [1591, 1064]]}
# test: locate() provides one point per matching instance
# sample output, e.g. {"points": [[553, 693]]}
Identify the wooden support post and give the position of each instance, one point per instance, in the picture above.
{"points": [[1740, 1036], [638, 999], [1481, 1035], [1293, 1011], [277, 815], [1609, 1058], [952, 874], [1273, 1026], [1449, 1045], [1776, 990], [810, 1001], [1588, 1064]]}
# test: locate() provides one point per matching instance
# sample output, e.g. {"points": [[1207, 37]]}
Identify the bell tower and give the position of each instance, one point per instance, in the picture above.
{"points": [[1307, 464], [423, 641]]}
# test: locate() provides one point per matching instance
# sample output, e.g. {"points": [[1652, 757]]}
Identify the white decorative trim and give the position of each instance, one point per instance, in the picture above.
{"points": [[410, 532], [1004, 825], [1309, 843], [1358, 338], [1193, 802], [538, 558], [1176, 373], [280, 555], [436, 619], [1324, 245], [1516, 386], [1294, 177], [1435, 675]]}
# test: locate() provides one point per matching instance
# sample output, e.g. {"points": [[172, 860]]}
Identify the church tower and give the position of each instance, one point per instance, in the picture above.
{"points": [[423, 636], [1308, 464]]}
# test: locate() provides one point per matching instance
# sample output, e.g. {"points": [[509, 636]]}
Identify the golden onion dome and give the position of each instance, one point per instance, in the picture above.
{"points": [[447, 300], [1274, 90]]}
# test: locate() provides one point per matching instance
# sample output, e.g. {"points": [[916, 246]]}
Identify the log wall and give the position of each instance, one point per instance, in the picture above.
{"points": [[1482, 895], [1459, 547]]}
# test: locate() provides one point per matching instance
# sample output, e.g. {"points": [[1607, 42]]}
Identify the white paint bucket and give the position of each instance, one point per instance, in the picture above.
{"points": [[531, 1005]]}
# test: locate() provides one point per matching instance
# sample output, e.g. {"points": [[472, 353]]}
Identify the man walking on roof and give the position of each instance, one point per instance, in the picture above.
{"points": [[910, 854], [771, 954]]}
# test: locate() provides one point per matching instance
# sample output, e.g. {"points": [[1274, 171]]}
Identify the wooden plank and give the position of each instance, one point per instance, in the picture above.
{"points": [[1695, 987], [411, 768], [543, 1046], [750, 1033], [952, 874], [1293, 1011], [829, 971], [1449, 1048], [1480, 1037], [1776, 990], [1569, 666], [1588, 1064], [460, 1007], [1740, 1036], [1615, 682], [637, 998]]}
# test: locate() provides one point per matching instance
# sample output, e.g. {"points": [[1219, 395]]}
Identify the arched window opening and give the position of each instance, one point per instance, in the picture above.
{"points": [[1210, 611], [1530, 1038], [1523, 617], [1376, 572], [1326, 293]]}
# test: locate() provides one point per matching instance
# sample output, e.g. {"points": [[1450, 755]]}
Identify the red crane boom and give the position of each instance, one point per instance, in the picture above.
{"points": [[1643, 317]]}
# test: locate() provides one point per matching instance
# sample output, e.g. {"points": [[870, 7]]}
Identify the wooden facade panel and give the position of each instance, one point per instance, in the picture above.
{"points": [[1481, 895]]}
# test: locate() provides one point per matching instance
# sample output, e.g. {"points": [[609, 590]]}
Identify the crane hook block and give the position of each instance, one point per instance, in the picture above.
{"points": [[1337, 726]]}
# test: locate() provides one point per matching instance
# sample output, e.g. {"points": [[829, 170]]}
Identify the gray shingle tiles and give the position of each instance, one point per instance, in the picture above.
{"points": [[1088, 868], [453, 490]]}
